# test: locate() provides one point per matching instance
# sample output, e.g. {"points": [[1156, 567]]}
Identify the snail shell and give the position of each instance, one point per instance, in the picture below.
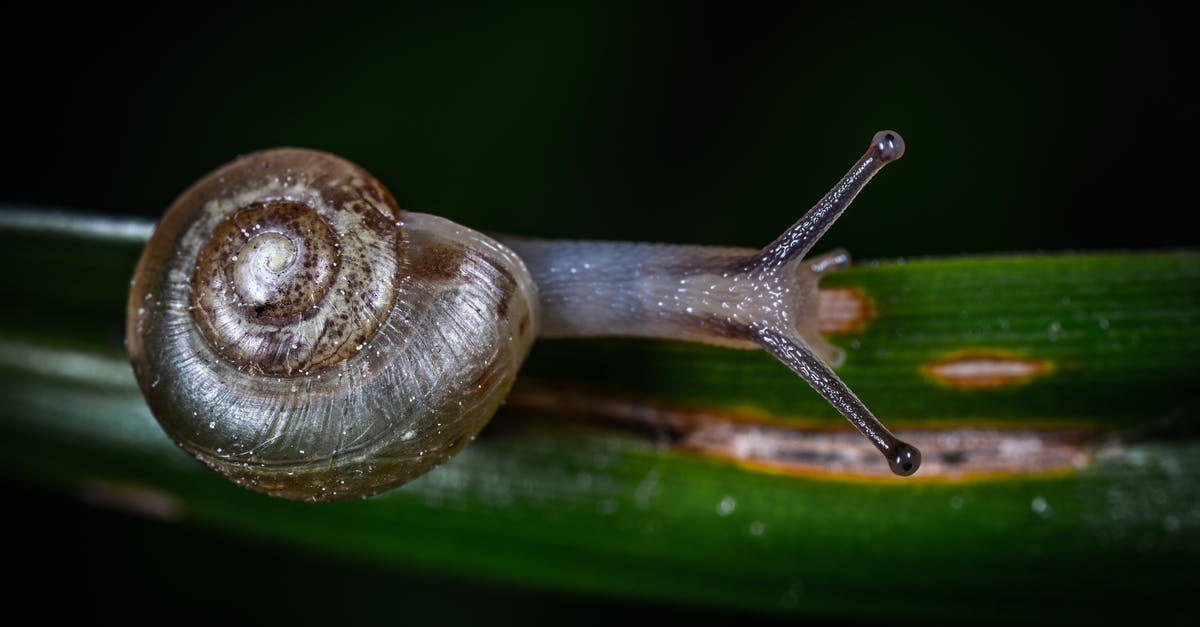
{"points": [[295, 330]]}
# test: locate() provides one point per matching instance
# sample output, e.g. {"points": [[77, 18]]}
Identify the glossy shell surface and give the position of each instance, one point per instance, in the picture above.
{"points": [[296, 331]]}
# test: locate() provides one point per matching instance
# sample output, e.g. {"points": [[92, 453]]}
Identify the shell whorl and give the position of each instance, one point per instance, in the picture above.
{"points": [[295, 330]]}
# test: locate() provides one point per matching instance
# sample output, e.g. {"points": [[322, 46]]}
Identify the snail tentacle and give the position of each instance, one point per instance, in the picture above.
{"points": [[733, 297]]}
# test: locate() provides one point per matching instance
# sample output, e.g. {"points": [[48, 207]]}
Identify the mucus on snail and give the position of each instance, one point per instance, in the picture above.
{"points": [[294, 329]]}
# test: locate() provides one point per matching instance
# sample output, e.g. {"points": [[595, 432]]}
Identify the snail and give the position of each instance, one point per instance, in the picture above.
{"points": [[295, 330]]}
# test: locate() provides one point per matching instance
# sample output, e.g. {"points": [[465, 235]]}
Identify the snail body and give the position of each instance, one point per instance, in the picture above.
{"points": [[295, 330]]}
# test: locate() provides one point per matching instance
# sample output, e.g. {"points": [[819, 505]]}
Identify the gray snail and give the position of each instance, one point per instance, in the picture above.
{"points": [[295, 330]]}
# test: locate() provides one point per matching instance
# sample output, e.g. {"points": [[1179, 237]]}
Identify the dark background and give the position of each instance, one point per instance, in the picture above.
{"points": [[1027, 129]]}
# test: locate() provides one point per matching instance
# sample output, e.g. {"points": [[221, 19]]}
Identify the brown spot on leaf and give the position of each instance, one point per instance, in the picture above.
{"points": [[983, 369], [952, 452], [843, 310]]}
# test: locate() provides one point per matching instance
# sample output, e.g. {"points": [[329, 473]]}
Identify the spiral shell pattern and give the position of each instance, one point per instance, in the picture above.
{"points": [[296, 331]]}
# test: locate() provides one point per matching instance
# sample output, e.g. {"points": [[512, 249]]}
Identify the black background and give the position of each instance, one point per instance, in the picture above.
{"points": [[1027, 128]]}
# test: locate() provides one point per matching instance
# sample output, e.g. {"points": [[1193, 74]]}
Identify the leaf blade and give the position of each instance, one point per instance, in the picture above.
{"points": [[548, 501]]}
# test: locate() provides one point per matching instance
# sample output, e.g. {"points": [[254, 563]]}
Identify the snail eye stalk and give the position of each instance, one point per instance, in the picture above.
{"points": [[787, 345]]}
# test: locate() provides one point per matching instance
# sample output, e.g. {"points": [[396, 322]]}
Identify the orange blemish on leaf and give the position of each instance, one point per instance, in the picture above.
{"points": [[843, 310], [983, 369], [952, 451]]}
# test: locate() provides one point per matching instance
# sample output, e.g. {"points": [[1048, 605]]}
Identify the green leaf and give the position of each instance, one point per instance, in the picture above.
{"points": [[608, 473]]}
